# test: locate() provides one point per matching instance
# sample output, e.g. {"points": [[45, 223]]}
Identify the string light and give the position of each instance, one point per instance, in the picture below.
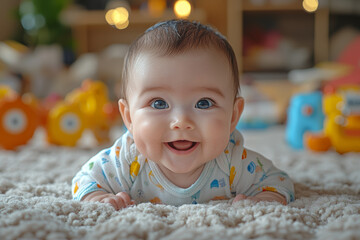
{"points": [[310, 5], [182, 8]]}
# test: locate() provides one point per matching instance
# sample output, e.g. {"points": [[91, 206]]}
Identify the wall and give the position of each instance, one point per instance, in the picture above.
{"points": [[215, 13], [8, 23]]}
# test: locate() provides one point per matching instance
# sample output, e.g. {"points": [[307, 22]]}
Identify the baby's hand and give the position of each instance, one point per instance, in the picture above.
{"points": [[263, 196], [118, 201]]}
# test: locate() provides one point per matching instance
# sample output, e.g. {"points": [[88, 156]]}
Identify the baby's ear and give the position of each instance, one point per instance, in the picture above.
{"points": [[125, 113], [237, 110]]}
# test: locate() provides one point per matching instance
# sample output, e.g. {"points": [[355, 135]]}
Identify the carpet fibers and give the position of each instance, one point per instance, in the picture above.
{"points": [[36, 202]]}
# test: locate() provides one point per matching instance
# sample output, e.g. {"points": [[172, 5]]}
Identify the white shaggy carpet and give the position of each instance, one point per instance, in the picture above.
{"points": [[35, 200]]}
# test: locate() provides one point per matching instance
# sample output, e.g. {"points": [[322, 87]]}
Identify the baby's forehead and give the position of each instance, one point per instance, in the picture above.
{"points": [[206, 59], [154, 53], [198, 69]]}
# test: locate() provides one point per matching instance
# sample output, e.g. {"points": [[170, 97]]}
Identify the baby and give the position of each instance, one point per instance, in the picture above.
{"points": [[180, 104]]}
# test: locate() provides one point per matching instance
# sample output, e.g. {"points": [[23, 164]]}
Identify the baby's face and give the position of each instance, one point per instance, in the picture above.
{"points": [[180, 109]]}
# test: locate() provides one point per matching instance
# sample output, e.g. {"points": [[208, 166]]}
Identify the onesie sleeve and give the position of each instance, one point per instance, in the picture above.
{"points": [[107, 171], [256, 174]]}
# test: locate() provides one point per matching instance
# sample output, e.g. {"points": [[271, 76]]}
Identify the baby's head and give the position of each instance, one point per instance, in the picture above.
{"points": [[179, 95], [175, 37]]}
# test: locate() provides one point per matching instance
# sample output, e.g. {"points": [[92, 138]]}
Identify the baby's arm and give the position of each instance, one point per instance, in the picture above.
{"points": [[263, 196], [260, 180], [118, 201], [105, 178]]}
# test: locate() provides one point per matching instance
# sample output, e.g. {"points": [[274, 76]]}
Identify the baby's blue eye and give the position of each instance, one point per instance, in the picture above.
{"points": [[159, 104], [204, 104]]}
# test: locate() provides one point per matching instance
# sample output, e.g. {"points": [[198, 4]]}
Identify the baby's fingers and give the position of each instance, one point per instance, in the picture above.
{"points": [[125, 198], [239, 197], [115, 202]]}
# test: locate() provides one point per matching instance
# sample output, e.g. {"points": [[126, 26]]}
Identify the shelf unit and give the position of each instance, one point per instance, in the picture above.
{"points": [[235, 14], [92, 33]]}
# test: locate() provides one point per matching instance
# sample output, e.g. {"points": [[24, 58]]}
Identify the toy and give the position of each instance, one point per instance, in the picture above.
{"points": [[342, 124], [65, 124], [304, 114], [341, 106], [18, 119], [87, 107], [317, 142]]}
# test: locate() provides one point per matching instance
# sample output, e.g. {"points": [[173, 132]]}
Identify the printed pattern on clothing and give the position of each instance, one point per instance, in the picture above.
{"points": [[121, 168]]}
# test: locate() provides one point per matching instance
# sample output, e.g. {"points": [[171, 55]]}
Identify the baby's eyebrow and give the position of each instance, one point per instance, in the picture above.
{"points": [[211, 89], [152, 89], [198, 89]]}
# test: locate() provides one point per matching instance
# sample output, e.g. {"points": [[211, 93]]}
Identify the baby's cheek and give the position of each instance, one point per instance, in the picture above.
{"points": [[216, 146], [218, 139], [147, 139]]}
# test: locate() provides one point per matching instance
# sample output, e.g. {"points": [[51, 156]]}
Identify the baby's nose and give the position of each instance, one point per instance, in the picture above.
{"points": [[182, 122]]}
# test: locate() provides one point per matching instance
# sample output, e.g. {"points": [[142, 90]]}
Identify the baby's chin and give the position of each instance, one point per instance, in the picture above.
{"points": [[181, 170], [182, 178]]}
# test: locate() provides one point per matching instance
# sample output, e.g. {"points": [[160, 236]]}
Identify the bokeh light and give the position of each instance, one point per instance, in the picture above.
{"points": [[310, 5], [122, 25], [182, 8], [118, 17], [30, 20]]}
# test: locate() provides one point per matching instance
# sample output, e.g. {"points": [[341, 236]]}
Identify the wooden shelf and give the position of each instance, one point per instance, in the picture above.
{"points": [[268, 6], [92, 33], [235, 21], [80, 17]]}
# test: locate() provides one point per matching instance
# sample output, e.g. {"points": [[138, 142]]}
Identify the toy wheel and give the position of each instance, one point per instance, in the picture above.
{"points": [[317, 142], [65, 125], [18, 123]]}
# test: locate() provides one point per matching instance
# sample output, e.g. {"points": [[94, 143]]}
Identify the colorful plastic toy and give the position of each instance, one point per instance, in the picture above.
{"points": [[65, 124], [341, 106], [304, 114], [18, 119], [342, 123], [317, 142], [85, 108], [64, 120]]}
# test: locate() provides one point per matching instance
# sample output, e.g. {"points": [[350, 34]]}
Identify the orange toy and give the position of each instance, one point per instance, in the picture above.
{"points": [[317, 142], [18, 120]]}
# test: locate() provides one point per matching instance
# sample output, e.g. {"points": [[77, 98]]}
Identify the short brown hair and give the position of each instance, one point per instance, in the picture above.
{"points": [[175, 37]]}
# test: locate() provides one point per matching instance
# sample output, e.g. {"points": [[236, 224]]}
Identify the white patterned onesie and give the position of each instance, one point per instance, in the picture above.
{"points": [[122, 168]]}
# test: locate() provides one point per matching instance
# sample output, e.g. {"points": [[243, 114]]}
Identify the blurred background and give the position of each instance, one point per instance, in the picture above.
{"points": [[283, 47]]}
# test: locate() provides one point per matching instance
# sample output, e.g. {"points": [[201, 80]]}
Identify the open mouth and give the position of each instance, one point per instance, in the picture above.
{"points": [[182, 145]]}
